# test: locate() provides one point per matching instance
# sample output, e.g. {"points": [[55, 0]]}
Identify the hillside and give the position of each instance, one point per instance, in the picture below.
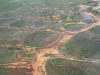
{"points": [[59, 66], [85, 44], [49, 37]]}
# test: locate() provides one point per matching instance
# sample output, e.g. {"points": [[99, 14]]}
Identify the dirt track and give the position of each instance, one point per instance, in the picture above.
{"points": [[39, 65]]}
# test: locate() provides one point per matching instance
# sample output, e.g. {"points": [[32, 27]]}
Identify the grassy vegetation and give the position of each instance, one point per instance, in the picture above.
{"points": [[41, 39], [92, 6], [69, 6], [49, 54], [5, 33], [85, 44], [60, 66], [28, 56], [11, 36], [3, 42], [3, 71], [90, 21], [8, 5], [7, 55], [96, 30], [20, 23], [75, 27], [12, 71], [60, 62], [14, 4]]}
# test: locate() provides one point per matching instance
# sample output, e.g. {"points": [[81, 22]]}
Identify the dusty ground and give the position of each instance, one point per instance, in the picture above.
{"points": [[39, 65]]}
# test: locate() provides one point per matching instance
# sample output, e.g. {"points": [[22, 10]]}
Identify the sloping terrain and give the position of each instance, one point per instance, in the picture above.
{"points": [[16, 71], [11, 35], [41, 39], [59, 66], [31, 32], [8, 55], [75, 27], [85, 44], [15, 54]]}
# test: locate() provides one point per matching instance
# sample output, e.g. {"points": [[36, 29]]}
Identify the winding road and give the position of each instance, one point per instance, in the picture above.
{"points": [[41, 58], [39, 65]]}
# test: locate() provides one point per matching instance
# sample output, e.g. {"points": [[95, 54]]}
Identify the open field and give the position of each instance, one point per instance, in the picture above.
{"points": [[8, 55], [41, 39], [59, 66], [85, 44], [49, 37], [10, 35], [15, 54], [15, 71], [96, 30], [75, 27]]}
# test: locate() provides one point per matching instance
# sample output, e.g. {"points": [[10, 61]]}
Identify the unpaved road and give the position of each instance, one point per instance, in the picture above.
{"points": [[41, 58], [39, 65]]}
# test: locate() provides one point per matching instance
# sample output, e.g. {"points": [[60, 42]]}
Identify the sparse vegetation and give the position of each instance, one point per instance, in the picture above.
{"points": [[96, 30], [41, 39], [8, 55], [27, 55], [49, 54], [14, 54], [14, 71], [59, 66], [85, 44], [20, 23], [75, 27], [29, 26]]}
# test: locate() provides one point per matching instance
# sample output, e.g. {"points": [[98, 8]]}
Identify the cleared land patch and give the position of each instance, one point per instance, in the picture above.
{"points": [[75, 27], [15, 71], [15, 54], [20, 23], [11, 36], [68, 67], [96, 30], [42, 39], [85, 44]]}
